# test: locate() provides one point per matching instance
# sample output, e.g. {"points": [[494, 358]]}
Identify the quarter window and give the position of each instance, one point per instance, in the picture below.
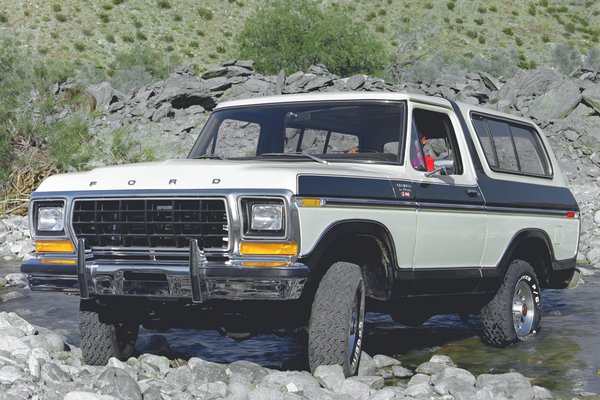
{"points": [[511, 146]]}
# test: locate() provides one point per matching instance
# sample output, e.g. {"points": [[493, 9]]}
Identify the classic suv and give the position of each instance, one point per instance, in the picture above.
{"points": [[307, 210]]}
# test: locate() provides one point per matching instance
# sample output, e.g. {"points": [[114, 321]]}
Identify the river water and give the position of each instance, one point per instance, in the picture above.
{"points": [[564, 356]]}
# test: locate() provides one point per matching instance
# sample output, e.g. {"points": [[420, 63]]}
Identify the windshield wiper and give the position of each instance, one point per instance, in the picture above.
{"points": [[298, 154], [209, 157]]}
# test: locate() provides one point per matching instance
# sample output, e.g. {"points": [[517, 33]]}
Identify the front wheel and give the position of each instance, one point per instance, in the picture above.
{"points": [[336, 326], [515, 312], [102, 337]]}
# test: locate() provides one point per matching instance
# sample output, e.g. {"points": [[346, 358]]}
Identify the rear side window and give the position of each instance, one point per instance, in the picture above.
{"points": [[511, 146]]}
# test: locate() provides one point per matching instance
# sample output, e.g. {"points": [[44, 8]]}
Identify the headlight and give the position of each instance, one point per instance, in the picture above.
{"points": [[50, 219], [263, 217], [267, 217]]}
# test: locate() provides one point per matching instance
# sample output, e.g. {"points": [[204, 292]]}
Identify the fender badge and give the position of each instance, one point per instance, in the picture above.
{"points": [[172, 181], [93, 183], [216, 181], [131, 182]]}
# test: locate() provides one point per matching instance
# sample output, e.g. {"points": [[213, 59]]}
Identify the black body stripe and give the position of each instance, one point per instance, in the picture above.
{"points": [[331, 186], [448, 194]]}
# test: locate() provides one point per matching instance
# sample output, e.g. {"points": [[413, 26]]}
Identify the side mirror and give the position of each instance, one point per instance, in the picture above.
{"points": [[441, 167]]}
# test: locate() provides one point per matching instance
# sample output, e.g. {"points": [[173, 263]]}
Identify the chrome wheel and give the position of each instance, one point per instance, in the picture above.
{"points": [[523, 309], [355, 329]]}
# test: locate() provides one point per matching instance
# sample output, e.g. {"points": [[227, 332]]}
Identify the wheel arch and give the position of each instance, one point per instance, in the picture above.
{"points": [[367, 243], [533, 246]]}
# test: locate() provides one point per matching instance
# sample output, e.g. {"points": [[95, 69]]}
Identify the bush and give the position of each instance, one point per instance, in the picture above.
{"points": [[592, 59], [292, 35], [67, 143], [205, 13], [565, 58], [502, 63]]}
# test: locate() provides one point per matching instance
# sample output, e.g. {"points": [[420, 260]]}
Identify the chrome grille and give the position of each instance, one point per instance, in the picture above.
{"points": [[152, 223]]}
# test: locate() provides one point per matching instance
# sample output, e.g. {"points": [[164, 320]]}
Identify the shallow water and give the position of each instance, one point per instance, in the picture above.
{"points": [[564, 356]]}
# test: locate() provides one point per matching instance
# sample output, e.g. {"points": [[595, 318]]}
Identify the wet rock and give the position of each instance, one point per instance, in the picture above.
{"points": [[9, 374], [419, 390], [16, 280], [373, 382], [248, 371], [161, 363], [330, 376], [356, 389], [401, 372], [419, 378], [181, 377], [8, 320], [367, 365], [382, 361], [507, 384], [210, 390]]}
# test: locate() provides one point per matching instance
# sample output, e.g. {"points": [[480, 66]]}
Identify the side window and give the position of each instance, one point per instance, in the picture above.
{"points": [[433, 143], [511, 147], [231, 134]]}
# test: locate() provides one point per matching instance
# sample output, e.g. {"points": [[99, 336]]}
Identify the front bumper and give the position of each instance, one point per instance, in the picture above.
{"points": [[199, 281]]}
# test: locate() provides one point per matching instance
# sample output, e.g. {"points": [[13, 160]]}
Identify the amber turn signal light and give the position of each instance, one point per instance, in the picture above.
{"points": [[278, 249], [54, 246]]}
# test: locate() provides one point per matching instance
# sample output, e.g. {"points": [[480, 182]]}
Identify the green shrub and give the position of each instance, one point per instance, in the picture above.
{"points": [[127, 38], [177, 18], [478, 21], [154, 63], [565, 58], [3, 18], [508, 31], [107, 6], [205, 13], [67, 143], [481, 9], [481, 39], [472, 34], [60, 17], [104, 18], [164, 4], [140, 35], [118, 2], [87, 32], [531, 9], [293, 35], [519, 41], [450, 5], [429, 6], [137, 24], [56, 7], [543, 3], [110, 38], [493, 9], [79, 46]]}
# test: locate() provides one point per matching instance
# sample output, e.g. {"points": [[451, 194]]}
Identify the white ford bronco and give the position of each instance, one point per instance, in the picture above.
{"points": [[308, 210]]}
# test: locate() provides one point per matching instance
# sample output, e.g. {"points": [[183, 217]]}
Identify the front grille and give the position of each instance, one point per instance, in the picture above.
{"points": [[152, 223]]}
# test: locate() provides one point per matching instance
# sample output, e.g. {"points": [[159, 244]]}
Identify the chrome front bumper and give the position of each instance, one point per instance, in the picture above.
{"points": [[199, 281]]}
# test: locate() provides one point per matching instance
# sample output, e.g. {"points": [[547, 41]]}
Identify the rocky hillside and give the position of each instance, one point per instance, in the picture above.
{"points": [[161, 120]]}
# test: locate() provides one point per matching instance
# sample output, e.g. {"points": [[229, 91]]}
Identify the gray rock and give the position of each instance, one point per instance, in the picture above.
{"points": [[257, 86], [420, 390], [330, 376], [52, 373], [10, 331], [381, 361], [355, 82], [490, 82], [542, 393], [419, 378], [11, 343], [49, 341], [13, 320], [507, 384], [356, 389], [9, 374], [367, 366], [431, 368], [453, 373], [248, 371], [401, 372], [227, 72], [318, 83], [17, 280], [279, 380], [524, 394], [79, 395], [373, 382], [103, 93], [557, 103], [116, 382], [592, 97], [160, 362], [181, 377], [209, 390]]}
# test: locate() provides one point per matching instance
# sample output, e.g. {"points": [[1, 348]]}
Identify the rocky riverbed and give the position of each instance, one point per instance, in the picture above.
{"points": [[37, 363]]}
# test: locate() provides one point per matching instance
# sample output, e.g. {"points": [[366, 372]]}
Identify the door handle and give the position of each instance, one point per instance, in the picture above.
{"points": [[472, 193]]}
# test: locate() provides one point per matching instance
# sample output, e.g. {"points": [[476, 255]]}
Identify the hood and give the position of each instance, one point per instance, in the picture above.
{"points": [[203, 174]]}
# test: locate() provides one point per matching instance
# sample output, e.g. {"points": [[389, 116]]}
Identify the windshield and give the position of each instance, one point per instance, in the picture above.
{"points": [[367, 130]]}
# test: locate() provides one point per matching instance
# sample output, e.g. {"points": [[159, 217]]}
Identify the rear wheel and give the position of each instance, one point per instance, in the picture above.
{"points": [[514, 313], [336, 326], [102, 337]]}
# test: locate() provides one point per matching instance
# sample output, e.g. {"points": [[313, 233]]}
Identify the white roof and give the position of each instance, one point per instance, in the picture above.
{"points": [[335, 96]]}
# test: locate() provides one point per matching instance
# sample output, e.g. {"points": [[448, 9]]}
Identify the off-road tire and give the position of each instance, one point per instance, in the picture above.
{"points": [[498, 328], [340, 292], [101, 340]]}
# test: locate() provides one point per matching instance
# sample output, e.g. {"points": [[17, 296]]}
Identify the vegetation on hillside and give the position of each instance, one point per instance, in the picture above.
{"points": [[295, 34]]}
